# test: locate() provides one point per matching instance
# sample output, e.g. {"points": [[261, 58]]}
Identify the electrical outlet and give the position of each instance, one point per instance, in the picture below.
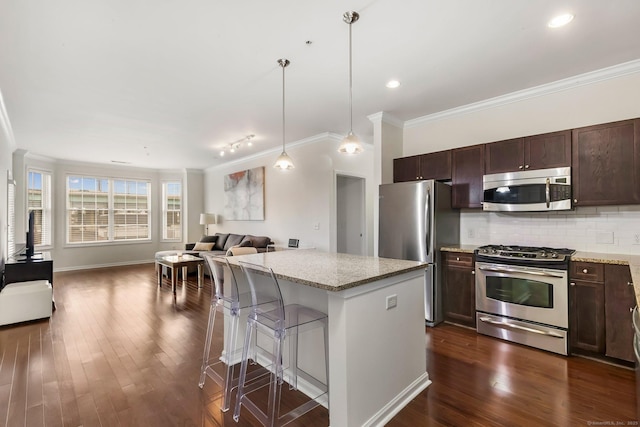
{"points": [[636, 238], [471, 233], [604, 237], [316, 226], [392, 301]]}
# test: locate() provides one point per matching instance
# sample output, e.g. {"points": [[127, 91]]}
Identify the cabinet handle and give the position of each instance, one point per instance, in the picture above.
{"points": [[572, 284], [520, 167], [575, 200], [585, 271], [526, 166], [473, 272], [631, 310], [457, 258], [629, 283]]}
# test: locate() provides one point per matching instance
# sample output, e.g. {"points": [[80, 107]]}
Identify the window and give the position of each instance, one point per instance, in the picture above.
{"points": [[39, 201], [107, 210], [171, 211]]}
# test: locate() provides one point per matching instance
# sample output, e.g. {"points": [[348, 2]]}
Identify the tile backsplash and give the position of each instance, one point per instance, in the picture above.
{"points": [[607, 229]]}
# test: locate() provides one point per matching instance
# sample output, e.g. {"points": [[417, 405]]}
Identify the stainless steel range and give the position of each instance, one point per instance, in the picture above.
{"points": [[522, 295]]}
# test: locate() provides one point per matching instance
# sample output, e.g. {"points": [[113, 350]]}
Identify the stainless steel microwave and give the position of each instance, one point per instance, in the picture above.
{"points": [[528, 191]]}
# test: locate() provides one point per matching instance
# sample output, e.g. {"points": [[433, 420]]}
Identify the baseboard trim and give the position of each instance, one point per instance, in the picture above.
{"points": [[107, 265], [391, 409]]}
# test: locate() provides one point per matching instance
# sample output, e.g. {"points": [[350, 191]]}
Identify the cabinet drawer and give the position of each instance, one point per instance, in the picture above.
{"points": [[459, 259], [590, 271]]}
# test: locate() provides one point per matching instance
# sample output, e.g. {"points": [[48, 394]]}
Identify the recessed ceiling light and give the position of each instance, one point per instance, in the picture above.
{"points": [[392, 84], [560, 20]]}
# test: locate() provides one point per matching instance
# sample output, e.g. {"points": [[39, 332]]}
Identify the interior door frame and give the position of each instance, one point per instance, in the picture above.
{"points": [[363, 202]]}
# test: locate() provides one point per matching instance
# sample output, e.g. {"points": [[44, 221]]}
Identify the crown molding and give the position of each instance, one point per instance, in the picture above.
{"points": [[591, 77], [385, 117]]}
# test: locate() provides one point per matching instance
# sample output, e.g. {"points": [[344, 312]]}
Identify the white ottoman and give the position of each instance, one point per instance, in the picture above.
{"points": [[23, 301]]}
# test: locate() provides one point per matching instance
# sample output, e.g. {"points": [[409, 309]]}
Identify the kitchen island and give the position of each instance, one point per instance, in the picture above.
{"points": [[377, 354]]}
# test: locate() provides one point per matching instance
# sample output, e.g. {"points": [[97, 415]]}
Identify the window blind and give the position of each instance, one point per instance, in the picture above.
{"points": [[39, 201], [107, 210], [172, 210]]}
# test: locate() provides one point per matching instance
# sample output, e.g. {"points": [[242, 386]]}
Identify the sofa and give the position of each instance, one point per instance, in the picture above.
{"points": [[219, 244]]}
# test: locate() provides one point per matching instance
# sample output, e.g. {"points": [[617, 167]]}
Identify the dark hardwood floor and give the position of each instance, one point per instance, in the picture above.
{"points": [[120, 351]]}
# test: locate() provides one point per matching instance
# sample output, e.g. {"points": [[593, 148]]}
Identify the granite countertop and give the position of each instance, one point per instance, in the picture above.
{"points": [[468, 249], [329, 271]]}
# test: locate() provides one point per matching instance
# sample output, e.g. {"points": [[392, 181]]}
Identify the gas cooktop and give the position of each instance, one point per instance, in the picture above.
{"points": [[525, 252]]}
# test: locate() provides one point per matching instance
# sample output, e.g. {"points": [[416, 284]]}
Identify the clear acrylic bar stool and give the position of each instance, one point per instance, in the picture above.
{"points": [[221, 367], [279, 322]]}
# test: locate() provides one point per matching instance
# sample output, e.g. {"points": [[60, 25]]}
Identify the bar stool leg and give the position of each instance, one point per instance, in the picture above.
{"points": [[207, 344], [243, 368], [276, 380], [231, 339], [293, 360]]}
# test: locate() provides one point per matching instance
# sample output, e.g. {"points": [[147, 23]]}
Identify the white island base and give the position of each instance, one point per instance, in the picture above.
{"points": [[377, 356]]}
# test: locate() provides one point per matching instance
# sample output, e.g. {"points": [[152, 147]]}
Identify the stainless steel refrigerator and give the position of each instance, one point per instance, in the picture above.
{"points": [[416, 220]]}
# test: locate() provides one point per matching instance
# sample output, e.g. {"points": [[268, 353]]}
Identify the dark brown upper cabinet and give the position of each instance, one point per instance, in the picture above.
{"points": [[606, 164], [406, 169], [467, 168], [425, 166], [549, 150]]}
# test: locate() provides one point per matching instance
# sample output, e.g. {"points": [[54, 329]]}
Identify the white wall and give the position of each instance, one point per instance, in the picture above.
{"points": [[298, 199], [610, 95]]}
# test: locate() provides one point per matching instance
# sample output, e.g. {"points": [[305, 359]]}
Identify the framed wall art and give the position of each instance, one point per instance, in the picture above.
{"points": [[244, 195]]}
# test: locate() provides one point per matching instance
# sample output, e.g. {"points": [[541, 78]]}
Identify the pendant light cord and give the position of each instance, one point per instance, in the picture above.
{"points": [[350, 84], [283, 138]]}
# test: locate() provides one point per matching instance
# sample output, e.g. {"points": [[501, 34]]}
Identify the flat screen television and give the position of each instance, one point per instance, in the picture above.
{"points": [[29, 249]]}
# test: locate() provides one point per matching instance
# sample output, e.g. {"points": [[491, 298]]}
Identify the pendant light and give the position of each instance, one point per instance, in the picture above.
{"points": [[283, 162], [351, 143]]}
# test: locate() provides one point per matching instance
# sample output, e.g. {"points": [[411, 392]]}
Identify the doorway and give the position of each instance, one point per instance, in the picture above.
{"points": [[350, 218]]}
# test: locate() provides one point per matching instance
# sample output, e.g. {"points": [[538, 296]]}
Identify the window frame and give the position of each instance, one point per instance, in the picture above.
{"points": [[46, 208], [111, 209], [165, 210]]}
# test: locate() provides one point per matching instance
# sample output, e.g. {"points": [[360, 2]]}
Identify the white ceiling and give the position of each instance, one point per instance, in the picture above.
{"points": [[165, 83]]}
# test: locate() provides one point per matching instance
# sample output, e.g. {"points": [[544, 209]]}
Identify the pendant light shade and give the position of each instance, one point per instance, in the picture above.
{"points": [[283, 162], [351, 143]]}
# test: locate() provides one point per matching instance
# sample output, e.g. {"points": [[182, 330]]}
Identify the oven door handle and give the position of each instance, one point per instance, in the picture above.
{"points": [[514, 270], [522, 328]]}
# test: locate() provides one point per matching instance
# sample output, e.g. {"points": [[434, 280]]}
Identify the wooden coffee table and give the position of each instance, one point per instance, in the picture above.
{"points": [[173, 262]]}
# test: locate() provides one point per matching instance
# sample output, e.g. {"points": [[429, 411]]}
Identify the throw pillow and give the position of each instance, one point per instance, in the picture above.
{"points": [[232, 240], [258, 241], [202, 246], [222, 239], [209, 239], [245, 244]]}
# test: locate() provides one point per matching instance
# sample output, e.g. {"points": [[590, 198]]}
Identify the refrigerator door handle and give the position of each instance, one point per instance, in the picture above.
{"points": [[428, 222]]}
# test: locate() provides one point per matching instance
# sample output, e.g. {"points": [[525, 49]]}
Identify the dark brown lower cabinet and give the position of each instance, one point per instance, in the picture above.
{"points": [[459, 286], [620, 300], [586, 316]]}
